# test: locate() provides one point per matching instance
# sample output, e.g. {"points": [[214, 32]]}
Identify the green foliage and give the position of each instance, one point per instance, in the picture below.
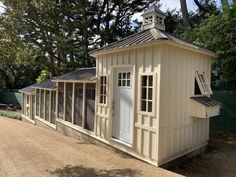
{"points": [[43, 76], [218, 33], [65, 31], [9, 114]]}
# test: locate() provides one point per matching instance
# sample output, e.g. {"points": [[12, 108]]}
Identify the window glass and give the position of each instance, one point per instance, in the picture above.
{"points": [[203, 84], [124, 79], [147, 93], [103, 89]]}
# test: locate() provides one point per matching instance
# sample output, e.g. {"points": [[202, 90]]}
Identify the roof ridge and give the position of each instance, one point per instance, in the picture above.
{"points": [[84, 68], [122, 39]]}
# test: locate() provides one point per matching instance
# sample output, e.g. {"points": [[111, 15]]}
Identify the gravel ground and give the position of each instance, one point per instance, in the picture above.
{"points": [[219, 161], [29, 151]]}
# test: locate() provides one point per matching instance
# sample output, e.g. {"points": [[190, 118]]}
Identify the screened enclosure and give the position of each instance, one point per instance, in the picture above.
{"points": [[76, 98], [28, 103], [45, 105], [79, 103]]}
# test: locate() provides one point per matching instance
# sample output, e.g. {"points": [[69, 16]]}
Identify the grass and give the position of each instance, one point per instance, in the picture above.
{"points": [[12, 115]]}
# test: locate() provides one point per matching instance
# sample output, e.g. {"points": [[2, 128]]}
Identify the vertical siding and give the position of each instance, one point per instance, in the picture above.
{"points": [[145, 134], [179, 132]]}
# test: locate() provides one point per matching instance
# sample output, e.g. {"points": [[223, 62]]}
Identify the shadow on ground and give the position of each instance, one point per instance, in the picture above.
{"points": [[81, 171]]}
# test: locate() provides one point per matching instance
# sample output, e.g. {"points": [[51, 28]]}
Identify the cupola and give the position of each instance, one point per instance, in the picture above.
{"points": [[153, 17]]}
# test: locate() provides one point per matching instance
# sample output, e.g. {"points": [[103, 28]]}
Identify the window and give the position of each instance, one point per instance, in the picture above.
{"points": [[103, 89], [124, 79], [147, 93], [203, 84], [159, 19]]}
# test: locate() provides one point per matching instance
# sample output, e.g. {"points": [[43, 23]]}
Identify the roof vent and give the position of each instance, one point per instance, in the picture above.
{"points": [[153, 17]]}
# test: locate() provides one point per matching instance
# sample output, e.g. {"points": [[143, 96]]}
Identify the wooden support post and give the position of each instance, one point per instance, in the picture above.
{"points": [[50, 106], [84, 101], [39, 103], [64, 104], [73, 103], [95, 111], [30, 106], [22, 103], [44, 104], [57, 93]]}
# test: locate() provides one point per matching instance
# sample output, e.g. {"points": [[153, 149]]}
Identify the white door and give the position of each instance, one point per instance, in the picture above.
{"points": [[122, 105]]}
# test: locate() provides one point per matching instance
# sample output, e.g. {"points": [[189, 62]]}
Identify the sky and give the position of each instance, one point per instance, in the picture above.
{"points": [[174, 4]]}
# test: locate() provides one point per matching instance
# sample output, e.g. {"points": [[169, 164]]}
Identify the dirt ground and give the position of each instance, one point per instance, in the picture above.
{"points": [[30, 151], [219, 161]]}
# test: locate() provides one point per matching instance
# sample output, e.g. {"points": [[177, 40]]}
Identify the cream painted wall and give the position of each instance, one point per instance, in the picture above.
{"points": [[169, 131], [145, 126], [180, 133]]}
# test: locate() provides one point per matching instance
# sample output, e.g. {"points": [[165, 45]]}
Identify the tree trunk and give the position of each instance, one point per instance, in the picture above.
{"points": [[234, 2], [225, 4], [185, 14]]}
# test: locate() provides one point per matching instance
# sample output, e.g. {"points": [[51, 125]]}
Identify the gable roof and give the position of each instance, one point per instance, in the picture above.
{"points": [[82, 74], [47, 84], [147, 36], [28, 90]]}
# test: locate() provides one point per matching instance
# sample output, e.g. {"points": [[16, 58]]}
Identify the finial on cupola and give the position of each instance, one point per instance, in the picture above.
{"points": [[153, 17]]}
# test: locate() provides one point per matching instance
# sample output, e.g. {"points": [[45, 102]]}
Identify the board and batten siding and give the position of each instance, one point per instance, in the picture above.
{"points": [[179, 133], [144, 60]]}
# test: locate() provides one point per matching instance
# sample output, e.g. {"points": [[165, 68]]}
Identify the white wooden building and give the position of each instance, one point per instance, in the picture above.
{"points": [[157, 101], [148, 96]]}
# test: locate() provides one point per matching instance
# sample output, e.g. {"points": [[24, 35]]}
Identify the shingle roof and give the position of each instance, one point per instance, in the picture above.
{"points": [[48, 84], [28, 89], [206, 101], [146, 36], [79, 74]]}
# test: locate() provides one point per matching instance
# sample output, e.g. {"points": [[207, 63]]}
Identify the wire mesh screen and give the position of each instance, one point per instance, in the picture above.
{"points": [[68, 102], [61, 100], [78, 104]]}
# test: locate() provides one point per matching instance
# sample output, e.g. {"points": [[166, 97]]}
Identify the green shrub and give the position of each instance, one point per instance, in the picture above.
{"points": [[12, 115]]}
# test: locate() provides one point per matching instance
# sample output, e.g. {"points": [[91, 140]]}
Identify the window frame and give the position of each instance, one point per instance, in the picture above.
{"points": [[102, 94], [203, 83], [122, 79], [153, 100]]}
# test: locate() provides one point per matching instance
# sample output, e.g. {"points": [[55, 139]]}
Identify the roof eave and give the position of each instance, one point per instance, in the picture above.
{"points": [[77, 81], [29, 93], [193, 48], [42, 88]]}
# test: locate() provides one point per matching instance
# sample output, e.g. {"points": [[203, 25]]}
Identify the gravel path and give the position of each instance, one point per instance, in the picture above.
{"points": [[29, 151]]}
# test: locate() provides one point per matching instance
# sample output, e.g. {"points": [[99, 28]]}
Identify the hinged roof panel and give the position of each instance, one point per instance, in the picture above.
{"points": [[85, 74], [206, 101]]}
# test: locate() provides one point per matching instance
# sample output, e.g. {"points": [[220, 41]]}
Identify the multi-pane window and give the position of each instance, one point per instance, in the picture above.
{"points": [[103, 89], [124, 79], [159, 19], [203, 84], [147, 93]]}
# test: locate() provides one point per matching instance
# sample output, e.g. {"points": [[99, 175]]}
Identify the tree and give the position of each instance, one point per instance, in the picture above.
{"points": [[184, 11], [218, 34], [65, 31], [225, 4]]}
